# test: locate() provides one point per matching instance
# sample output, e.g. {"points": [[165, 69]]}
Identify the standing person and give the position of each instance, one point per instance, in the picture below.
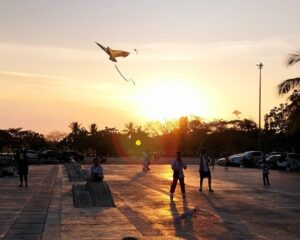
{"points": [[226, 162], [265, 172], [146, 162], [204, 170], [212, 163], [96, 171], [22, 164], [177, 166]]}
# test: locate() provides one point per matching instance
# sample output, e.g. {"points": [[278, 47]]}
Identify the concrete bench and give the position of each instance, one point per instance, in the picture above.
{"points": [[92, 194]]}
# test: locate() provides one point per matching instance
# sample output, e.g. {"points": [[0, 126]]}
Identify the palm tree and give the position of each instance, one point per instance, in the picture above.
{"points": [[292, 83], [130, 128], [75, 127], [93, 129]]}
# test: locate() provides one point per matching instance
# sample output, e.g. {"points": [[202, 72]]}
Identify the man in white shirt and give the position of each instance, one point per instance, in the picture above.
{"points": [[178, 165]]}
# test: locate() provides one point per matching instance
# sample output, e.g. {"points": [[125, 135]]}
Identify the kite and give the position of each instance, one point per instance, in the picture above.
{"points": [[113, 54]]}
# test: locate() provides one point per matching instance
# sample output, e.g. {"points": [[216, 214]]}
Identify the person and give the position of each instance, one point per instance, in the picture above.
{"points": [[265, 172], [204, 170], [226, 162], [177, 166], [213, 163], [96, 171], [146, 162], [22, 165]]}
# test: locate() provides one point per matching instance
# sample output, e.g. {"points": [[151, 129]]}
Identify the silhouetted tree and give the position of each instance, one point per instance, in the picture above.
{"points": [[237, 113], [75, 127], [292, 83], [93, 129], [55, 136]]}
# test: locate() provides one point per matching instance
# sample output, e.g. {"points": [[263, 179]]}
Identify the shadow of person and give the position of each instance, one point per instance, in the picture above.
{"points": [[182, 221]]}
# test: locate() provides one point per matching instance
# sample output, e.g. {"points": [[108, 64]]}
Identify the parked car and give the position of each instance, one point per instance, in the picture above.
{"points": [[289, 161], [221, 161], [246, 159], [31, 154], [48, 154], [7, 165], [70, 155], [272, 160]]}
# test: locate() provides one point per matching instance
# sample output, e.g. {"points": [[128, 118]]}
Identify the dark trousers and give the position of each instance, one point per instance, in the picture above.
{"points": [[266, 178], [174, 183], [96, 177], [226, 166], [21, 175]]}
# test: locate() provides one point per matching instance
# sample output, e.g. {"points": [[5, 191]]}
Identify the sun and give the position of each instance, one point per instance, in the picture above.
{"points": [[171, 99]]}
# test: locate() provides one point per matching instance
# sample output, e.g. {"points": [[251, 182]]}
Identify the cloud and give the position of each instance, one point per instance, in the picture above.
{"points": [[32, 75], [50, 51], [271, 47], [159, 51]]}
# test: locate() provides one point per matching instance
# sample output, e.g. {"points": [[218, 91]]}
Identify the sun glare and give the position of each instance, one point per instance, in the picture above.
{"points": [[171, 100]]}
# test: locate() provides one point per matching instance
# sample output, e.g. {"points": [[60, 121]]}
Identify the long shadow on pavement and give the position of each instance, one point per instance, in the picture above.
{"points": [[183, 227]]}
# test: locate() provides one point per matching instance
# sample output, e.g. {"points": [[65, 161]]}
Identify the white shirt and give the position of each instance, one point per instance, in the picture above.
{"points": [[178, 166]]}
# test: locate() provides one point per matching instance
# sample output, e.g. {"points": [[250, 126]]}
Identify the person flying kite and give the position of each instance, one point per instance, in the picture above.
{"points": [[113, 54]]}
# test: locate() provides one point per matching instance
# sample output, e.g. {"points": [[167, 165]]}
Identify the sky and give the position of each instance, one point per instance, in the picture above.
{"points": [[193, 58]]}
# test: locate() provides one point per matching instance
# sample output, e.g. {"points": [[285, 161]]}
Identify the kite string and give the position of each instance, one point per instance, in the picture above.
{"points": [[123, 75]]}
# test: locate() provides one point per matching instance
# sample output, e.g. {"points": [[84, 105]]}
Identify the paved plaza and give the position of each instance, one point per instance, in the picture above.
{"points": [[240, 207]]}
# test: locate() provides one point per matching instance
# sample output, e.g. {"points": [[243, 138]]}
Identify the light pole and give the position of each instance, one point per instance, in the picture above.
{"points": [[260, 66]]}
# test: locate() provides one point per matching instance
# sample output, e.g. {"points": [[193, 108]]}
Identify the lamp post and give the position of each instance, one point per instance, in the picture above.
{"points": [[260, 66]]}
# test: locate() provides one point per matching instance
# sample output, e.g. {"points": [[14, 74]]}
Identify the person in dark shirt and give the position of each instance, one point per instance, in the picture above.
{"points": [[96, 171], [22, 164], [204, 170], [265, 172]]}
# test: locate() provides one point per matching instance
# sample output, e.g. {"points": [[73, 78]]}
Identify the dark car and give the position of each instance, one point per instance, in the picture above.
{"points": [[7, 165], [48, 154], [68, 156]]}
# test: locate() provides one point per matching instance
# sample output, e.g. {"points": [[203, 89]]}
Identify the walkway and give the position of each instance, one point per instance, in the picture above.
{"points": [[240, 207]]}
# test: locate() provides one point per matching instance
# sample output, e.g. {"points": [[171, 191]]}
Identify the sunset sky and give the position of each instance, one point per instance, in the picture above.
{"points": [[194, 57]]}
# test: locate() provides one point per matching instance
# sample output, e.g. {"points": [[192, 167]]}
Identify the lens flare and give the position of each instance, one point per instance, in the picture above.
{"points": [[138, 142]]}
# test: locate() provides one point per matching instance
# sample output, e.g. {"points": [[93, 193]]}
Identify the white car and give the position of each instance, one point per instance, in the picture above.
{"points": [[288, 161], [249, 158], [31, 154], [221, 161]]}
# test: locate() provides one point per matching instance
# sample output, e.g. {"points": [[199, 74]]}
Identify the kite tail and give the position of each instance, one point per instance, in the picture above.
{"points": [[124, 76]]}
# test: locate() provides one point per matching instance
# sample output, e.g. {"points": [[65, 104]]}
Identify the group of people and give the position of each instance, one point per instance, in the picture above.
{"points": [[178, 166]]}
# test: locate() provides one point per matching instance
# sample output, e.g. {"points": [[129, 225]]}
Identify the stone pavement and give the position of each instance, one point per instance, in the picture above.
{"points": [[240, 207]]}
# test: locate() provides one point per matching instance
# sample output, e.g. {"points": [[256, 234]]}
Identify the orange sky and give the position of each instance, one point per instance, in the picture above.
{"points": [[196, 58]]}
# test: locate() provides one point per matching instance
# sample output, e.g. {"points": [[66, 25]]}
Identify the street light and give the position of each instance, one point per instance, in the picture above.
{"points": [[260, 66]]}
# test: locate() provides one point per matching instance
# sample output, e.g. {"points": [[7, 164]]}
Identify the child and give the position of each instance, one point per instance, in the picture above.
{"points": [[96, 171], [146, 162], [265, 172], [178, 165]]}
